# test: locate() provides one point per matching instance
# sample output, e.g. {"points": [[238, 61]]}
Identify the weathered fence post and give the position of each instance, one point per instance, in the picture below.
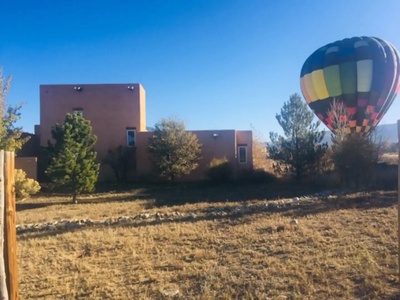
{"points": [[3, 282], [10, 237], [398, 194]]}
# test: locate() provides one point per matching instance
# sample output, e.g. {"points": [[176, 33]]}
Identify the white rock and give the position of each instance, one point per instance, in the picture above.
{"points": [[170, 292]]}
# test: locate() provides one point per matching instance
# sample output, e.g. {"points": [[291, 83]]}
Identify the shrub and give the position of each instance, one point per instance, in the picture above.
{"points": [[257, 176], [121, 160], [219, 170], [24, 187], [354, 157]]}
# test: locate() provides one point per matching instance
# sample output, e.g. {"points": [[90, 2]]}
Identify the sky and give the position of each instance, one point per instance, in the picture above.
{"points": [[214, 64]]}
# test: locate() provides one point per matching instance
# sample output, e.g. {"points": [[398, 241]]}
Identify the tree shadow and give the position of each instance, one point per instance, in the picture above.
{"points": [[366, 290], [365, 201], [66, 199], [179, 194], [25, 206]]}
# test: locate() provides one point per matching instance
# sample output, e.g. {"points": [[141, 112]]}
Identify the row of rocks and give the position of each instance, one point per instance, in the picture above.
{"points": [[213, 212]]}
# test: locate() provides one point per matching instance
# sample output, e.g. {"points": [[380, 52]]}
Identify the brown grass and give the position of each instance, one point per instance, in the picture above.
{"points": [[342, 248], [390, 158]]}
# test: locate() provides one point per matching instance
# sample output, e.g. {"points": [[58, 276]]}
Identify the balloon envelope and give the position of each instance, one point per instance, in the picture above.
{"points": [[360, 73]]}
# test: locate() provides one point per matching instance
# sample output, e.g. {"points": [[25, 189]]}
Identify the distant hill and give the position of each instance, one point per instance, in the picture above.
{"points": [[387, 132]]}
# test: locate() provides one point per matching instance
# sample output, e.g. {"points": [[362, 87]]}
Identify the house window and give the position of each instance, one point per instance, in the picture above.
{"points": [[78, 111], [242, 154], [130, 137]]}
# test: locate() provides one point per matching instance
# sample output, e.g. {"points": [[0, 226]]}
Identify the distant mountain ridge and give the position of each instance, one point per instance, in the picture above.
{"points": [[388, 132]]}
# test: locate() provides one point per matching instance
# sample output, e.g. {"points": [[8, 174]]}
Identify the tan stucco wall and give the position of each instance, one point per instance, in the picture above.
{"points": [[215, 144], [144, 169], [245, 138], [111, 108], [27, 164], [142, 110], [222, 145]]}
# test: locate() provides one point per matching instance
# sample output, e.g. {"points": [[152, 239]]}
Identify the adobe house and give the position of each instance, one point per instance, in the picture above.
{"points": [[117, 113]]}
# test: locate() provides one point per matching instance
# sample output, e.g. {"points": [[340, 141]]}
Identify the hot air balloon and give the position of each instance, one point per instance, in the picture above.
{"points": [[360, 73]]}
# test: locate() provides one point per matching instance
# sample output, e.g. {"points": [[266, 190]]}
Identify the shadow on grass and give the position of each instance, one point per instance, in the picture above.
{"points": [[366, 201], [84, 199], [32, 204], [366, 290], [179, 194], [174, 194]]}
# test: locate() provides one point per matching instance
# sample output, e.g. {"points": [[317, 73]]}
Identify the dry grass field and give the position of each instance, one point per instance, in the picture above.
{"points": [[390, 158], [343, 247]]}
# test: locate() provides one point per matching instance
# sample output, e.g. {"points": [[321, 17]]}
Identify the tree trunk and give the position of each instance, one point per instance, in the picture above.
{"points": [[75, 198]]}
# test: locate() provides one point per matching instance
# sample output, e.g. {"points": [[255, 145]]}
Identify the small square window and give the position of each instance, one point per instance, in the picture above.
{"points": [[242, 154], [131, 137]]}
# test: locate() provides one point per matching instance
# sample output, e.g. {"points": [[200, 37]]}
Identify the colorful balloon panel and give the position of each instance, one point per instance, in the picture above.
{"points": [[360, 72]]}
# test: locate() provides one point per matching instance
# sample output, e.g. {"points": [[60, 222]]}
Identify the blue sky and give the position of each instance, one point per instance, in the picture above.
{"points": [[215, 64]]}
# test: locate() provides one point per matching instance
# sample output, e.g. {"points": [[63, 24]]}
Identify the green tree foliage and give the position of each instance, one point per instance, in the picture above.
{"points": [[72, 158], [121, 160], [175, 151], [10, 135], [298, 152]]}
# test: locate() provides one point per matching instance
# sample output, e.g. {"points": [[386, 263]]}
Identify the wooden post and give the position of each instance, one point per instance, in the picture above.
{"points": [[398, 193], [3, 282], [10, 250]]}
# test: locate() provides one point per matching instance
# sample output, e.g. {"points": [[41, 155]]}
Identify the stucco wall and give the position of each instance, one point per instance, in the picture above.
{"points": [[111, 108], [144, 168], [245, 138], [215, 144], [28, 164]]}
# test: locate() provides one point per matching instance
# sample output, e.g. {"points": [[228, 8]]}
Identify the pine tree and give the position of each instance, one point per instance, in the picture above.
{"points": [[174, 150], [72, 158], [297, 152]]}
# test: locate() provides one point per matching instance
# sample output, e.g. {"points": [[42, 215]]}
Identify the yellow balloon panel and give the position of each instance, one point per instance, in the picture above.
{"points": [[319, 84], [308, 84]]}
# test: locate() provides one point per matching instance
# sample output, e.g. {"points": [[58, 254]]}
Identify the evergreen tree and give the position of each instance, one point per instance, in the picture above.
{"points": [[72, 158], [10, 135], [297, 152], [174, 150]]}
